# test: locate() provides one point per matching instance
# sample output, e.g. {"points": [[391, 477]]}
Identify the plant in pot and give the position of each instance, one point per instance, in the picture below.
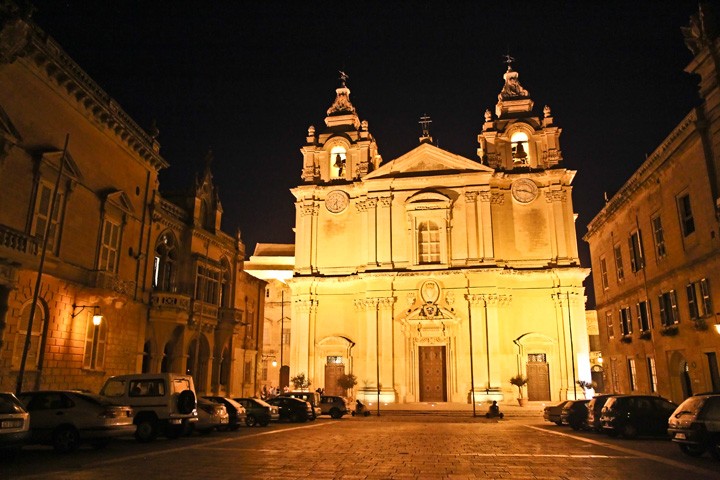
{"points": [[347, 382], [519, 381]]}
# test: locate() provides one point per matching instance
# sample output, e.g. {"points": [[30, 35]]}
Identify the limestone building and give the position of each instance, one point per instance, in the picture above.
{"points": [[655, 250], [433, 275], [80, 202]]}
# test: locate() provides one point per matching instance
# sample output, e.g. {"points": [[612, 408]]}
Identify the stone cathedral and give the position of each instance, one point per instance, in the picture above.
{"points": [[434, 277]]}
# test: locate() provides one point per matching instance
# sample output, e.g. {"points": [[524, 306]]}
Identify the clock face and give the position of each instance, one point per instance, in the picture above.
{"points": [[524, 190], [336, 201]]}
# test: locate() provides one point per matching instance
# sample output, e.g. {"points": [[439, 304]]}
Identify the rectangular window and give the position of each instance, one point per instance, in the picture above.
{"points": [[109, 246], [632, 374], [43, 216], [625, 321], [33, 353], [687, 222], [264, 369], [95, 339], [643, 313], [286, 337], [429, 243], [609, 325], [614, 378], [659, 238], [652, 374], [699, 303], [207, 282], [637, 261], [620, 272], [668, 308], [604, 274]]}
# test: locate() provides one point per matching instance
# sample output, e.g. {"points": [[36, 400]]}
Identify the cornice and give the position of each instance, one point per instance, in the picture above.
{"points": [[47, 56], [639, 179]]}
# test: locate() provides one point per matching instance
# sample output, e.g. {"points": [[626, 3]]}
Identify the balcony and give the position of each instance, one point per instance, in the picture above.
{"points": [[18, 242], [110, 281], [170, 301]]}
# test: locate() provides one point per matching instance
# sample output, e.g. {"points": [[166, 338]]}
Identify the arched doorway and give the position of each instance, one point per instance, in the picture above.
{"points": [[680, 381], [197, 365], [685, 380], [147, 357]]}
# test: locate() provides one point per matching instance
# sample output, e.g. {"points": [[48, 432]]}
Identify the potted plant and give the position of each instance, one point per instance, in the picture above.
{"points": [[347, 382], [300, 382], [519, 381]]}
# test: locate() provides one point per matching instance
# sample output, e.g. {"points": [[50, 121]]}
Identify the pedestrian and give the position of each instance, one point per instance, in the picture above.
{"points": [[494, 411]]}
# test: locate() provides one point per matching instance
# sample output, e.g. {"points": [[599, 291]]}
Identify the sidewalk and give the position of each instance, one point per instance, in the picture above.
{"points": [[531, 409]]}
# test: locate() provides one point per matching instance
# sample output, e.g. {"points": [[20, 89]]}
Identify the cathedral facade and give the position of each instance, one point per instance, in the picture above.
{"points": [[434, 276]]}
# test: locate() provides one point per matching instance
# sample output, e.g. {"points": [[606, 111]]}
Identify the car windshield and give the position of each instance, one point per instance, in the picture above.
{"points": [[180, 384], [9, 404], [691, 405], [261, 402]]}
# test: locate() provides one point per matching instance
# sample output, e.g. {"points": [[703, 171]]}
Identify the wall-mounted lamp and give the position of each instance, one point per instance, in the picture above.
{"points": [[97, 317], [274, 361], [717, 323]]}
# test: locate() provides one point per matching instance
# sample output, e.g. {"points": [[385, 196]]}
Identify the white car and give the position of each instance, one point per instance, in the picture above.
{"points": [[211, 416], [14, 422]]}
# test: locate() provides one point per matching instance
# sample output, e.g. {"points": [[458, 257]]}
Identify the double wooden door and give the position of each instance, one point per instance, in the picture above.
{"points": [[433, 378]]}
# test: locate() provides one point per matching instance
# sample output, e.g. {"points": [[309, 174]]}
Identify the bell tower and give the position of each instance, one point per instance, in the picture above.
{"points": [[515, 139], [344, 150]]}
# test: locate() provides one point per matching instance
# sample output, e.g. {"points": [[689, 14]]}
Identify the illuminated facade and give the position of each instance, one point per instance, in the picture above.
{"points": [[166, 280], [656, 255], [432, 275]]}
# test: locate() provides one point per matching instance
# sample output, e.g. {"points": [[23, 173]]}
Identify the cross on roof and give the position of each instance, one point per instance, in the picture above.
{"points": [[425, 122]]}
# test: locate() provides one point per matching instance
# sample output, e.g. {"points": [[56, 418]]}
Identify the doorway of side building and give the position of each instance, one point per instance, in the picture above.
{"points": [[538, 375], [596, 373], [433, 379], [334, 369]]}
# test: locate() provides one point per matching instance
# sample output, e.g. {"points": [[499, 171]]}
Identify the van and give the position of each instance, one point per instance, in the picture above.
{"points": [[313, 398], [163, 402]]}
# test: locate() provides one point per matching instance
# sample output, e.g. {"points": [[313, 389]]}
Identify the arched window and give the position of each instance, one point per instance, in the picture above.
{"points": [[520, 148], [165, 262], [33, 353], [225, 367], [338, 157], [428, 243]]}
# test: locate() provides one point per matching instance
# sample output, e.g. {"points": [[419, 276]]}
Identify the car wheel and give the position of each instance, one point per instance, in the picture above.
{"points": [[66, 439], [691, 450], [250, 421], [186, 402], [335, 413], [629, 431], [147, 430], [715, 447]]}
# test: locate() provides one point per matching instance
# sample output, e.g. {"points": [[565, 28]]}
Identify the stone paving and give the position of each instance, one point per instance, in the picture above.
{"points": [[412, 443]]}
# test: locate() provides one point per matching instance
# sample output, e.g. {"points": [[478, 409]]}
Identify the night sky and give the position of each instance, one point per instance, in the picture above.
{"points": [[247, 78]]}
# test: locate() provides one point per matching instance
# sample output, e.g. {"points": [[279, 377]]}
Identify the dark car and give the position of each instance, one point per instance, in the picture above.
{"points": [[595, 409], [258, 412], [574, 413], [65, 418], [695, 425], [552, 413], [293, 409], [313, 398], [236, 412], [334, 406], [633, 415]]}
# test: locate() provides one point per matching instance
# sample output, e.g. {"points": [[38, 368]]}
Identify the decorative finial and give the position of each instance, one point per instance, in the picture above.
{"points": [[508, 60], [425, 122], [343, 77], [311, 131], [154, 132], [209, 157], [546, 111], [488, 115]]}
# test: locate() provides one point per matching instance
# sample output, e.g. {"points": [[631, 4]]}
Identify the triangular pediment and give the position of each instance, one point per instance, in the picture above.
{"points": [[7, 129], [121, 200], [70, 167], [427, 160]]}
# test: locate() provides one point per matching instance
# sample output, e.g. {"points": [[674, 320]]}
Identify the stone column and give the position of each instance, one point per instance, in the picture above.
{"points": [[472, 218], [384, 231]]}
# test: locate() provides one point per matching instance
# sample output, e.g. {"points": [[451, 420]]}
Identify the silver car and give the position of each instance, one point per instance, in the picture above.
{"points": [[67, 418], [14, 422]]}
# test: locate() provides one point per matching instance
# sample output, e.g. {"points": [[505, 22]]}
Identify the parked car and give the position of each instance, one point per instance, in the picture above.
{"points": [[633, 415], [695, 425], [552, 413], [14, 422], [258, 412], [574, 413], [334, 406], [595, 409], [236, 412], [163, 402], [211, 416], [312, 397], [66, 418], [293, 409]]}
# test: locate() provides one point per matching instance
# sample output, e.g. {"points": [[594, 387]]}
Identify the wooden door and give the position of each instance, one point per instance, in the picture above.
{"points": [[538, 386], [333, 371], [433, 380]]}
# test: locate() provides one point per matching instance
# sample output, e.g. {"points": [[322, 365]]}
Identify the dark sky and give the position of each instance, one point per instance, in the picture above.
{"points": [[248, 78]]}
